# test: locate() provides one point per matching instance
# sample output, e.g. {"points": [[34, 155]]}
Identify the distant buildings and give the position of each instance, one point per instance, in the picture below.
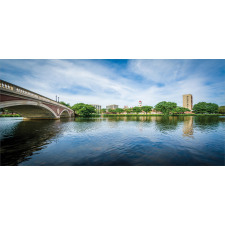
{"points": [[188, 101], [112, 107], [97, 107]]}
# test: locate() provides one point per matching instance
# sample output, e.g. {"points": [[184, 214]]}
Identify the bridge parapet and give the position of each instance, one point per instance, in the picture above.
{"points": [[6, 86]]}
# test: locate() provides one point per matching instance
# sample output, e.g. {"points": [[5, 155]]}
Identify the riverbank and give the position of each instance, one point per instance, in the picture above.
{"points": [[127, 115], [115, 115]]}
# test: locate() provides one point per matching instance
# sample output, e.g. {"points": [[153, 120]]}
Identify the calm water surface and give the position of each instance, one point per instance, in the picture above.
{"points": [[114, 141]]}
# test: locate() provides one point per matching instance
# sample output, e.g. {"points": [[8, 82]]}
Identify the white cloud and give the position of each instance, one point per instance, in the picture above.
{"points": [[94, 82], [161, 71]]}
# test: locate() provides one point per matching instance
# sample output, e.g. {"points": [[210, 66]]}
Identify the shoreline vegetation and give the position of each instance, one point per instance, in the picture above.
{"points": [[161, 109], [112, 115], [125, 115], [10, 115]]}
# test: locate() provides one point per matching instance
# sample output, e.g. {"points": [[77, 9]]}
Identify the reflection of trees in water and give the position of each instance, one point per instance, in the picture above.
{"points": [[141, 119], [130, 118], [28, 137], [167, 123], [86, 124], [163, 123], [208, 122]]}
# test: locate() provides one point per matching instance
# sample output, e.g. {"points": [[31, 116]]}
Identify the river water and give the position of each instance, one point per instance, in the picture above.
{"points": [[123, 141]]}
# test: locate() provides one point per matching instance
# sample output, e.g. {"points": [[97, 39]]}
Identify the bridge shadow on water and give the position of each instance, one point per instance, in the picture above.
{"points": [[27, 137]]}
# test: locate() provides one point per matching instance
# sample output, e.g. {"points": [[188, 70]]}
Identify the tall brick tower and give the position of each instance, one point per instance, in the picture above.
{"points": [[188, 101]]}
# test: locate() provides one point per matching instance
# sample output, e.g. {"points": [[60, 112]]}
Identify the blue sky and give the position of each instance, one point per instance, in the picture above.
{"points": [[122, 82]]}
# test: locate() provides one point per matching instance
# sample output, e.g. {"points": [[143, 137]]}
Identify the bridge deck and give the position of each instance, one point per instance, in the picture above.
{"points": [[10, 92]]}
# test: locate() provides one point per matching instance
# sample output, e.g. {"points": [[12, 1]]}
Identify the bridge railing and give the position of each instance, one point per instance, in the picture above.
{"points": [[4, 85]]}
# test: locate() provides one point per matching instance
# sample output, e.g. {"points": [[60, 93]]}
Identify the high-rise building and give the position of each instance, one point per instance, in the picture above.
{"points": [[140, 103], [98, 108], [188, 101], [112, 107]]}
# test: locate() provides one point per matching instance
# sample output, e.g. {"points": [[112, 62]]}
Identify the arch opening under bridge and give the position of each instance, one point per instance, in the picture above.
{"points": [[30, 109]]}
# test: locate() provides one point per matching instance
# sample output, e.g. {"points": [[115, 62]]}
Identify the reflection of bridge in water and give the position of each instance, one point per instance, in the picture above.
{"points": [[30, 104], [34, 135]]}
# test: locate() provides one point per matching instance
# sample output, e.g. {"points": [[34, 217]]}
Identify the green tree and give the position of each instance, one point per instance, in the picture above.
{"points": [[66, 104], [147, 109], [84, 110], [180, 110], [203, 107], [103, 110], [222, 109], [137, 109], [212, 108], [165, 107], [128, 110], [119, 110], [200, 107], [112, 111]]}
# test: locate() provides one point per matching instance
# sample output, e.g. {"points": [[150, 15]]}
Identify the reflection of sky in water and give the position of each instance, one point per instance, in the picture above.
{"points": [[121, 141]]}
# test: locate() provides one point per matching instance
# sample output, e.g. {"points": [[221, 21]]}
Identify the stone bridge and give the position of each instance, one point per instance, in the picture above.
{"points": [[29, 104]]}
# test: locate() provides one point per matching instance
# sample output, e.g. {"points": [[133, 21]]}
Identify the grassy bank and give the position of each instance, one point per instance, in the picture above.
{"points": [[10, 115], [209, 115], [115, 115]]}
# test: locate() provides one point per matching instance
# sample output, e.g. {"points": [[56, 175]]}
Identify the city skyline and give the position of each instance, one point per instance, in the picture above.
{"points": [[121, 82]]}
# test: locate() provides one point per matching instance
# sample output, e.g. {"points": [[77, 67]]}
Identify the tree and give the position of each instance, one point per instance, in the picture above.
{"points": [[137, 109], [83, 109], [222, 109], [112, 111], [119, 110], [103, 110], [146, 109], [200, 107], [165, 107], [128, 110], [212, 108], [180, 110], [66, 104], [203, 107]]}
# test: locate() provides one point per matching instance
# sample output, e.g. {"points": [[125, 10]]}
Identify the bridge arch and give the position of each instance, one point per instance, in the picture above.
{"points": [[30, 109], [65, 113]]}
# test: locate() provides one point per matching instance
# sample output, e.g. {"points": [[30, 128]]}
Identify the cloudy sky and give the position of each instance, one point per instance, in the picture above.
{"points": [[122, 82]]}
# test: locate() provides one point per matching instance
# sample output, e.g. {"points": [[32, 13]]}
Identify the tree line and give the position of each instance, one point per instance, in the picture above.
{"points": [[164, 107]]}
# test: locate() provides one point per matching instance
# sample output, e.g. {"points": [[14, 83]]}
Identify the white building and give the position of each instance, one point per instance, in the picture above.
{"points": [[98, 108], [112, 107]]}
